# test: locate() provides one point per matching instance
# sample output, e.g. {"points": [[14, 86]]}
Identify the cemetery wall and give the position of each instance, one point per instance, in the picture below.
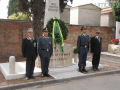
{"points": [[12, 32]]}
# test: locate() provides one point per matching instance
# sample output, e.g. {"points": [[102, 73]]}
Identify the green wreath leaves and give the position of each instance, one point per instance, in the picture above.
{"points": [[63, 27]]}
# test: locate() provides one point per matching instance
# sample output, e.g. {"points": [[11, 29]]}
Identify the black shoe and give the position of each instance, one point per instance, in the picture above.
{"points": [[47, 75], [84, 70], [32, 77], [43, 75], [80, 70], [94, 69], [98, 69], [27, 78]]}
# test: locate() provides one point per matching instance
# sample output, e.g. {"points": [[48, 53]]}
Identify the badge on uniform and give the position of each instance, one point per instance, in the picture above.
{"points": [[34, 44], [50, 43]]}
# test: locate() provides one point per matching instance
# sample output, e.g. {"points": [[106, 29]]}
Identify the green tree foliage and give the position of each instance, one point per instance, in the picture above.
{"points": [[115, 5], [11, 7], [18, 16]]}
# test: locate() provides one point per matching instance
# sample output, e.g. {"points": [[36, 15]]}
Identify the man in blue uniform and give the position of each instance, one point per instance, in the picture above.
{"points": [[45, 50], [83, 48], [29, 51]]}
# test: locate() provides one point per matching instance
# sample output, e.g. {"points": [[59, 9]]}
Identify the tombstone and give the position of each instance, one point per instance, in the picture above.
{"points": [[60, 58], [51, 10], [11, 65]]}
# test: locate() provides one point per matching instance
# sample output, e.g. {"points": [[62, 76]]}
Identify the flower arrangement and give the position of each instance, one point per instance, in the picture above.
{"points": [[115, 41], [75, 50]]}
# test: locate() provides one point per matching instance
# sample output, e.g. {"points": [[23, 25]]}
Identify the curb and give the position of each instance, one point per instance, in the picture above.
{"points": [[43, 82]]}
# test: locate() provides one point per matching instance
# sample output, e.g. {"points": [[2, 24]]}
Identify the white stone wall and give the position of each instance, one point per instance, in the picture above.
{"points": [[104, 20], [89, 17], [85, 15], [65, 15], [112, 22], [107, 20], [74, 15]]}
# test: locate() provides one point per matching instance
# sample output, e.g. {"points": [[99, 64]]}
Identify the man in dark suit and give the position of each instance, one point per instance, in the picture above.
{"points": [[96, 42], [29, 51], [83, 48], [45, 50]]}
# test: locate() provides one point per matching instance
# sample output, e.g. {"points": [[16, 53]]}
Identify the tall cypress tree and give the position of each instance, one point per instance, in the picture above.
{"points": [[11, 7]]}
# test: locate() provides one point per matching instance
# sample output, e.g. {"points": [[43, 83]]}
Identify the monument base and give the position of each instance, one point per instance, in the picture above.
{"points": [[114, 49], [59, 58]]}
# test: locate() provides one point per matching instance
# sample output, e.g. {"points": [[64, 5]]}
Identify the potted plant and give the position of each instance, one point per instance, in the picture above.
{"points": [[75, 54], [115, 41]]}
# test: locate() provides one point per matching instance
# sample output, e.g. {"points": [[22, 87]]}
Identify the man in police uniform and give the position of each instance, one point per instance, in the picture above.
{"points": [[29, 51], [83, 48], [96, 42], [45, 50]]}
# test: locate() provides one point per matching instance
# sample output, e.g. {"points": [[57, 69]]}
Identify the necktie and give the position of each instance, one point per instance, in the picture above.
{"points": [[31, 40], [99, 39]]}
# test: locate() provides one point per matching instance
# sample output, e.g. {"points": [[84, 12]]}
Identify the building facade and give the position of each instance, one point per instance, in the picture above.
{"points": [[107, 18], [87, 14]]}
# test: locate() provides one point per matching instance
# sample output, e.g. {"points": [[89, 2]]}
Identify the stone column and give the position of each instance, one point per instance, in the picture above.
{"points": [[11, 65], [51, 10]]}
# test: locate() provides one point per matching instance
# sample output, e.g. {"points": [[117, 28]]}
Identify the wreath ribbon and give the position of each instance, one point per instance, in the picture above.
{"points": [[56, 24]]}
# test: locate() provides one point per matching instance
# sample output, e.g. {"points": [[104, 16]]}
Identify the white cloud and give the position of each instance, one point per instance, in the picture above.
{"points": [[82, 2]]}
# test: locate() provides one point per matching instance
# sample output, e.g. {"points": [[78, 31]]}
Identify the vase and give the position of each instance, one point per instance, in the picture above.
{"points": [[76, 60]]}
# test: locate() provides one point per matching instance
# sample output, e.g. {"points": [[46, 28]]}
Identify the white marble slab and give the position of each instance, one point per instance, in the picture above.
{"points": [[20, 70]]}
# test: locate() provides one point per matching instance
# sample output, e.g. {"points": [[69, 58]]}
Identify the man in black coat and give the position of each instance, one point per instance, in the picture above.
{"points": [[96, 42], [29, 51], [45, 50]]}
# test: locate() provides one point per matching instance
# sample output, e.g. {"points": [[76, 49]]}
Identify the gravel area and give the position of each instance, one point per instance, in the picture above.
{"points": [[109, 63]]}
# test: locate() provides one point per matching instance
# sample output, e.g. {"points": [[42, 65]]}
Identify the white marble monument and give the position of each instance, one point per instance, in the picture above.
{"points": [[51, 10], [117, 36], [60, 58]]}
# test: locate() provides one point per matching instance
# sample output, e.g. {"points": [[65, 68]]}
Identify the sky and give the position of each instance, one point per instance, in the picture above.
{"points": [[4, 4]]}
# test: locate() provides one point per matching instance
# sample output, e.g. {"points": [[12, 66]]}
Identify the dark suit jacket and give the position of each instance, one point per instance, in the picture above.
{"points": [[29, 49], [43, 45], [96, 45], [82, 41]]}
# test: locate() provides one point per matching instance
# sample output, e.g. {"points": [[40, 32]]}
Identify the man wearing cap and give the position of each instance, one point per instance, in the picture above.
{"points": [[96, 42], [83, 48], [29, 51], [45, 50]]}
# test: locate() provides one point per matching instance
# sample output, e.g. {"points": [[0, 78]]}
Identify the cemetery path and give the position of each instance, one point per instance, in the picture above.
{"points": [[108, 82]]}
